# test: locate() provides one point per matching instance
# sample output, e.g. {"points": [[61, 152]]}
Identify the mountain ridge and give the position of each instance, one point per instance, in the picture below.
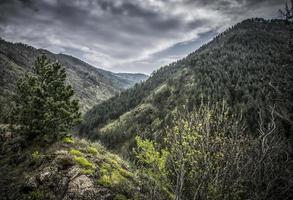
{"points": [[238, 65], [92, 85]]}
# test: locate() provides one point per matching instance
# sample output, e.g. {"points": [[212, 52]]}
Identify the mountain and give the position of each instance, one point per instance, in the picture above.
{"points": [[246, 66], [132, 78], [211, 126], [91, 85]]}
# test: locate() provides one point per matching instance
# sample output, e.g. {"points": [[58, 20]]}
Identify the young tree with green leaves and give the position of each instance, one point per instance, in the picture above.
{"points": [[152, 163], [44, 104]]}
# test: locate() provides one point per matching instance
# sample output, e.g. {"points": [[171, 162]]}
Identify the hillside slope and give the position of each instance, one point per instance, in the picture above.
{"points": [[247, 66], [91, 85], [70, 169]]}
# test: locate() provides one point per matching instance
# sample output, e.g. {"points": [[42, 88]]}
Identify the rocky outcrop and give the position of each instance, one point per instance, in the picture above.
{"points": [[71, 169]]}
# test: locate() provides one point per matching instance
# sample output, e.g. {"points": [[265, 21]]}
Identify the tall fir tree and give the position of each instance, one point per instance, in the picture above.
{"points": [[44, 104]]}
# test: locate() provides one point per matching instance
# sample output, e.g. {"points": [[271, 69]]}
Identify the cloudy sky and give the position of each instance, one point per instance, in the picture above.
{"points": [[125, 35]]}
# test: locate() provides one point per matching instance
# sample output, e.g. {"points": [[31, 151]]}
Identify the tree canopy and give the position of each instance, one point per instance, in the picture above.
{"points": [[44, 104]]}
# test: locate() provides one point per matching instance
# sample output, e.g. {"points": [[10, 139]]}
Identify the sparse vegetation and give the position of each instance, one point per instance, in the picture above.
{"points": [[92, 150]]}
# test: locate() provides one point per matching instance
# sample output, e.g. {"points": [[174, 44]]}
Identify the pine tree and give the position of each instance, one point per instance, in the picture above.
{"points": [[44, 105]]}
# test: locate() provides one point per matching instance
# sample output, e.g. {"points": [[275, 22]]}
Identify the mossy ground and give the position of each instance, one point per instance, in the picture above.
{"points": [[105, 170]]}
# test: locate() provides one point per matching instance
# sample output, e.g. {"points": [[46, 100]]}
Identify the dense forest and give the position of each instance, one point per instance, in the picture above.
{"points": [[247, 66]]}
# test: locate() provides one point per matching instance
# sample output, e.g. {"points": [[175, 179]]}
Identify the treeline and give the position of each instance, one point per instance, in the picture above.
{"points": [[125, 100]]}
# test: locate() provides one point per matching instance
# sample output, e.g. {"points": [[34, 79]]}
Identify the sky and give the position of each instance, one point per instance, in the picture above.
{"points": [[125, 35]]}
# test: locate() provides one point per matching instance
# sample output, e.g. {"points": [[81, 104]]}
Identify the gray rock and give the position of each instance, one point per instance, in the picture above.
{"points": [[31, 183], [81, 187]]}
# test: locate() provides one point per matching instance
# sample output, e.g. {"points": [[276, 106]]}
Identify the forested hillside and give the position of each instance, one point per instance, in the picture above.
{"points": [[92, 85], [247, 66]]}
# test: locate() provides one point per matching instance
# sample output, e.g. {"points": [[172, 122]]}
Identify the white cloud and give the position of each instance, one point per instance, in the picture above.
{"points": [[123, 35]]}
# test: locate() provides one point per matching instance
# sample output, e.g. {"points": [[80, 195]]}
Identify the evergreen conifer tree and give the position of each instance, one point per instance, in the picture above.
{"points": [[44, 104]]}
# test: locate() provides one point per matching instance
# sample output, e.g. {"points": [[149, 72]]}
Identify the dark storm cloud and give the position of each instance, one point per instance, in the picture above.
{"points": [[125, 35]]}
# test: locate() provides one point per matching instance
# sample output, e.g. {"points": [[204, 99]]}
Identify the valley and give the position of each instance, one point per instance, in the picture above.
{"points": [[216, 124]]}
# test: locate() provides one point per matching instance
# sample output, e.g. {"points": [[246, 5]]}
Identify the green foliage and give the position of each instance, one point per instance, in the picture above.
{"points": [[62, 162], [68, 140], [110, 177], [36, 158], [152, 164], [36, 195], [75, 152], [120, 197], [92, 150], [247, 66], [36, 155], [146, 154], [83, 162], [210, 156], [87, 171], [43, 101]]}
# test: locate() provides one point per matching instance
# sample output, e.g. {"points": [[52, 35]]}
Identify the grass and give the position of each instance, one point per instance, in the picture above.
{"points": [[83, 162], [120, 197], [36, 195], [36, 155], [75, 152], [110, 176], [68, 140], [87, 171], [92, 150]]}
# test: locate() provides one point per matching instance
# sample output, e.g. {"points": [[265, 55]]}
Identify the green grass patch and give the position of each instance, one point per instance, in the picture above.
{"points": [[87, 171], [120, 197], [36, 195], [68, 140], [75, 152], [112, 161], [110, 177], [36, 155], [92, 150], [83, 162]]}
